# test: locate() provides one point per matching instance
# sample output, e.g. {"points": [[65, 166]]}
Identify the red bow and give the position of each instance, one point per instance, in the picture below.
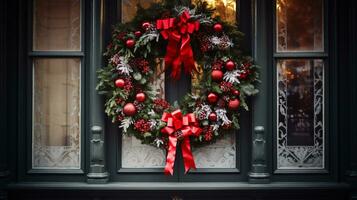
{"points": [[179, 49], [188, 126]]}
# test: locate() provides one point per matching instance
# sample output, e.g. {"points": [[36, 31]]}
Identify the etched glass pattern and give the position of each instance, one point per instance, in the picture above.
{"points": [[56, 25], [137, 155], [221, 154], [300, 136], [56, 114], [299, 25]]}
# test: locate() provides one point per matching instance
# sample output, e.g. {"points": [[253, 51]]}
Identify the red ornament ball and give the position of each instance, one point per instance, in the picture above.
{"points": [[140, 97], [218, 27], [130, 43], [137, 33], [119, 83], [212, 117], [217, 75], [235, 92], [233, 104], [145, 25], [230, 65], [212, 98], [129, 109]]}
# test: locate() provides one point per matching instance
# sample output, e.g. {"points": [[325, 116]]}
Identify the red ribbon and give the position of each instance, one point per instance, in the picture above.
{"points": [[188, 125], [179, 50]]}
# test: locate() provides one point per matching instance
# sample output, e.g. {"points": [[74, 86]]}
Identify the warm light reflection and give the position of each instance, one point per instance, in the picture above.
{"points": [[226, 9], [299, 25]]}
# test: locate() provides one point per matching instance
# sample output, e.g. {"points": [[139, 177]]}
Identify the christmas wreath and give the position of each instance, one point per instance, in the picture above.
{"points": [[187, 37]]}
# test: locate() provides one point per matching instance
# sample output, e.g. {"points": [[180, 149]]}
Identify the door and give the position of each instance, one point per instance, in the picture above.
{"points": [[225, 160]]}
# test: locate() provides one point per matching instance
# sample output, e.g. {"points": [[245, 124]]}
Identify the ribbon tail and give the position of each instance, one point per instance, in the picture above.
{"points": [[187, 155], [171, 154], [186, 54]]}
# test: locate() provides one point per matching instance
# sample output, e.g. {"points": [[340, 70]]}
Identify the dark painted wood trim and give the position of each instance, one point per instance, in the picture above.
{"points": [[97, 170], [352, 54], [178, 186], [259, 167], [4, 172]]}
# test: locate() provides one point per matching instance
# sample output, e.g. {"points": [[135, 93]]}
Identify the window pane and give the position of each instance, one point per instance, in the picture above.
{"points": [[56, 25], [134, 154], [129, 8], [300, 114], [137, 155], [56, 113], [225, 9], [221, 154], [299, 25]]}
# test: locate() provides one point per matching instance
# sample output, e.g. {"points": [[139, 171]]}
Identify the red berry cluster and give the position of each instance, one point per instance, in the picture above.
{"points": [[217, 64], [160, 105], [245, 68], [128, 85], [226, 86], [141, 64], [121, 35], [142, 126], [208, 133]]}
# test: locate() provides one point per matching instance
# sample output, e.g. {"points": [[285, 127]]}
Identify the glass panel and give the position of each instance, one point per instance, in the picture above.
{"points": [[225, 9], [56, 114], [300, 138], [56, 25], [299, 25], [137, 155], [129, 8], [221, 154]]}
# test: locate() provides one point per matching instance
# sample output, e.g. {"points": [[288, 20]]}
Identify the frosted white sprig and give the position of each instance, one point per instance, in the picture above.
{"points": [[204, 110], [153, 124], [123, 67], [152, 113], [232, 76], [158, 142], [221, 114], [125, 124]]}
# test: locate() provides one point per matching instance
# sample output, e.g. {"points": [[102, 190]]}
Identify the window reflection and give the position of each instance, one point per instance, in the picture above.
{"points": [[225, 9], [300, 113], [299, 25], [56, 25]]}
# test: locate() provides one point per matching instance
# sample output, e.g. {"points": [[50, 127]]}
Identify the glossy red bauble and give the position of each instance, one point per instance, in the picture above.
{"points": [[137, 33], [218, 27], [235, 92], [140, 97], [212, 98], [145, 25], [217, 75], [230, 65], [130, 43], [119, 83], [212, 117], [129, 109], [233, 104]]}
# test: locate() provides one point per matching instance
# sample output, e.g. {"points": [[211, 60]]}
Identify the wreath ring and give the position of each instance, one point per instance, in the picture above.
{"points": [[186, 37]]}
